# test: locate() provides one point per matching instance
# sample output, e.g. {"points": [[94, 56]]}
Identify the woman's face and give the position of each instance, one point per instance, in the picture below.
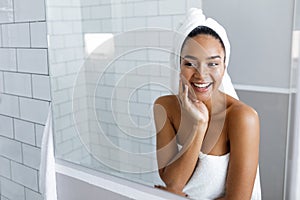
{"points": [[202, 65]]}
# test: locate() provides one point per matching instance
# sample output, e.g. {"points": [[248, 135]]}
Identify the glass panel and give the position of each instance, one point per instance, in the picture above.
{"points": [[110, 59]]}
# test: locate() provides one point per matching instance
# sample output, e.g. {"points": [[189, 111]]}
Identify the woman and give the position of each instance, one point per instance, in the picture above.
{"points": [[207, 141]]}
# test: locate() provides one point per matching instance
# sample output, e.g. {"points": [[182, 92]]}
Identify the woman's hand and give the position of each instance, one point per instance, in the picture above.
{"points": [[191, 107]]}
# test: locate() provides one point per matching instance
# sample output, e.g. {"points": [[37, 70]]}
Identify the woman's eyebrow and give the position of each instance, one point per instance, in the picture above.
{"points": [[208, 58], [213, 57], [190, 57]]}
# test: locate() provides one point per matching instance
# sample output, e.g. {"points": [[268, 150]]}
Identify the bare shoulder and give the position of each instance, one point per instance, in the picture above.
{"points": [[242, 118], [168, 101]]}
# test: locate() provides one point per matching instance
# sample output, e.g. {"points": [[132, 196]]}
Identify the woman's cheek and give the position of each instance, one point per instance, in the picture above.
{"points": [[185, 73]]}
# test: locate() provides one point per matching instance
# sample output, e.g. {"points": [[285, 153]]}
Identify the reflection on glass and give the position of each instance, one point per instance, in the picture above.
{"points": [[104, 83], [94, 40], [111, 107]]}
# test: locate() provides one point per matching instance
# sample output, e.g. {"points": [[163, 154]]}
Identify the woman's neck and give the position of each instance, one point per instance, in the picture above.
{"points": [[217, 103]]}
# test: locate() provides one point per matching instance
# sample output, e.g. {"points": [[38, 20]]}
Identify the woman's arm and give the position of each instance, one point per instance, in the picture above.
{"points": [[176, 167], [243, 135]]}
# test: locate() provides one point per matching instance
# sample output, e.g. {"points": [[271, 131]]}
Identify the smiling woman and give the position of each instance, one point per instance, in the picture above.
{"points": [[192, 163], [202, 56]]}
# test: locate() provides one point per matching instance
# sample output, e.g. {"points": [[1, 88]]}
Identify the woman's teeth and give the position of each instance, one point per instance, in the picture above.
{"points": [[202, 85]]}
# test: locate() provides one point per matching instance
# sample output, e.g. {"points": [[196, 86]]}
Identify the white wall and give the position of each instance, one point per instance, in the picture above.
{"points": [[24, 97], [260, 40]]}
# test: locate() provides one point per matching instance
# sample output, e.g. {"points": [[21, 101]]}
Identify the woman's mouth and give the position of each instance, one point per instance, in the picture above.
{"points": [[201, 87]]}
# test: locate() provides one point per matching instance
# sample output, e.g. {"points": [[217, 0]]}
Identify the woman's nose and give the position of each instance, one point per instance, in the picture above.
{"points": [[201, 70]]}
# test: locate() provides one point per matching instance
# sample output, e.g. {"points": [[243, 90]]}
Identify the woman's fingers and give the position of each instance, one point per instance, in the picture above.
{"points": [[180, 91], [184, 100], [183, 93], [196, 108], [203, 110]]}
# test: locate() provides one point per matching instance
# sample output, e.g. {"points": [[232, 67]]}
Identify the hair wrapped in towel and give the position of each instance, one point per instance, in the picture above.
{"points": [[195, 18]]}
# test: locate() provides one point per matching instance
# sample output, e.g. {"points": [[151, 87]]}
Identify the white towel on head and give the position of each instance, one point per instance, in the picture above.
{"points": [[195, 18]]}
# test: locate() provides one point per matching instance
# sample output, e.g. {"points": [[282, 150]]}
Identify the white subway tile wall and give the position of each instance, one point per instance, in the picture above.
{"points": [[168, 7], [39, 129], [9, 105], [6, 128], [38, 33], [24, 96], [6, 13], [24, 175], [29, 10], [16, 35], [5, 167], [8, 59], [33, 61], [41, 87], [11, 149], [66, 53], [1, 82], [17, 84], [11, 190], [116, 17], [32, 195], [24, 131], [31, 156]]}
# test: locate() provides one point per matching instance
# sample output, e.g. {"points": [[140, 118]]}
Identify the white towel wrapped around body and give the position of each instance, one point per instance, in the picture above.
{"points": [[209, 178]]}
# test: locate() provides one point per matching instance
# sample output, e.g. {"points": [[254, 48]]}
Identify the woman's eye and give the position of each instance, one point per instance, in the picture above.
{"points": [[213, 64], [190, 64]]}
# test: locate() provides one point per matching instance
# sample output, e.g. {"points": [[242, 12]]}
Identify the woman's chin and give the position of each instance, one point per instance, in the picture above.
{"points": [[203, 97]]}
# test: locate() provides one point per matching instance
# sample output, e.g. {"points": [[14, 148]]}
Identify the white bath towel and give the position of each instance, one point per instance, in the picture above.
{"points": [[47, 178], [209, 179]]}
